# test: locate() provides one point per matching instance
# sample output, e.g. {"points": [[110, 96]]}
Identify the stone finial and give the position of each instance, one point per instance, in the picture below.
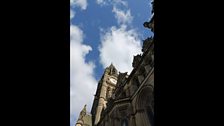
{"points": [[84, 107], [111, 70], [148, 25], [83, 112], [136, 60]]}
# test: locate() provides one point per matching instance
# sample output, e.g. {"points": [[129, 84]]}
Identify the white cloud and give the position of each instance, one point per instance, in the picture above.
{"points": [[112, 2], [122, 16], [117, 2], [80, 3], [101, 2], [72, 14], [77, 3], [119, 45], [82, 81]]}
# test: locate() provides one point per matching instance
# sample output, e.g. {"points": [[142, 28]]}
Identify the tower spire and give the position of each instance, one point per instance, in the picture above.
{"points": [[111, 70], [81, 115]]}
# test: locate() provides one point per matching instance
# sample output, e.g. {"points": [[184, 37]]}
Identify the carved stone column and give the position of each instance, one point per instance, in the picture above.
{"points": [[132, 121], [109, 92], [141, 118], [101, 102]]}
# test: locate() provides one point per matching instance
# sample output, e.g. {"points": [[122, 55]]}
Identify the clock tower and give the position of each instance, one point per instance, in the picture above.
{"points": [[104, 91]]}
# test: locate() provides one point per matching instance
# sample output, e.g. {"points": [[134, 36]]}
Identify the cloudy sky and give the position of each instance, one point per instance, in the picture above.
{"points": [[102, 32]]}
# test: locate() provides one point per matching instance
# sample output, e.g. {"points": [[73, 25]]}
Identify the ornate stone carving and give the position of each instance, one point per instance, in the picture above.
{"points": [[147, 25], [134, 86], [147, 68], [111, 70], [146, 43], [136, 60], [136, 81], [82, 113], [150, 24], [141, 78], [121, 78]]}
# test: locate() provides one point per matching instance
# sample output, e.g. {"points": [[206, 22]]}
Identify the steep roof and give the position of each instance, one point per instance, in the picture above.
{"points": [[87, 119]]}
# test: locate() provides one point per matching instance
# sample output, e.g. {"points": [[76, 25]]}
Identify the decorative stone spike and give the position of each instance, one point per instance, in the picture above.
{"points": [[136, 60], [111, 70]]}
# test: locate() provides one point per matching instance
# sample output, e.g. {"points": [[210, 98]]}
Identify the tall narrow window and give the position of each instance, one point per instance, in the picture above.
{"points": [[150, 116], [124, 122]]}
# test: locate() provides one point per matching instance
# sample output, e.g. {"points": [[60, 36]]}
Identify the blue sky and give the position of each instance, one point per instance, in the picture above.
{"points": [[101, 32]]}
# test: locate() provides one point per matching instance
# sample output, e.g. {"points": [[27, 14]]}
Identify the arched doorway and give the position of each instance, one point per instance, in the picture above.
{"points": [[144, 107]]}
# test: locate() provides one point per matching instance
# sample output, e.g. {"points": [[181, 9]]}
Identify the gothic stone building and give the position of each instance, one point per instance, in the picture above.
{"points": [[122, 99]]}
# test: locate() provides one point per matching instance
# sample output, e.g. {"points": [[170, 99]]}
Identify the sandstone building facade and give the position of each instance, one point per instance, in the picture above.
{"points": [[122, 99]]}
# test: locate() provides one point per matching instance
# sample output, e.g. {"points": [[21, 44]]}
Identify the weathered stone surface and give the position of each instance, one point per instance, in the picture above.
{"points": [[111, 70], [146, 44], [122, 77], [84, 119], [136, 60]]}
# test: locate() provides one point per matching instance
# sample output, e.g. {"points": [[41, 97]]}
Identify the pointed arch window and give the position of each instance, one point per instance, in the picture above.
{"points": [[124, 122], [150, 115]]}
